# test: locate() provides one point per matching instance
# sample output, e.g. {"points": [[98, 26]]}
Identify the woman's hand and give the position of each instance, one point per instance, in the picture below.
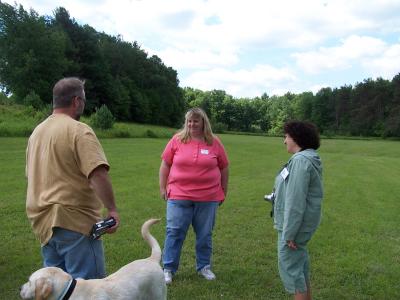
{"points": [[163, 178], [163, 194], [292, 245]]}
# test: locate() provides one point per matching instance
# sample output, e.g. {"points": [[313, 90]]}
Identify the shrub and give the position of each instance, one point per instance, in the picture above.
{"points": [[4, 100], [151, 134], [42, 114], [219, 127], [33, 99], [122, 133], [102, 118], [26, 111]]}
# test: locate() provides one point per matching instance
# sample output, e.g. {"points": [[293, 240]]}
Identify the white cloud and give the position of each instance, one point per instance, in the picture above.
{"points": [[353, 50], [196, 59], [386, 65], [243, 82], [284, 23], [316, 88], [208, 42]]}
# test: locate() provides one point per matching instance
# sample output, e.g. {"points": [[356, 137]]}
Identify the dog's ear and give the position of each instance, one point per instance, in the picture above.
{"points": [[43, 288]]}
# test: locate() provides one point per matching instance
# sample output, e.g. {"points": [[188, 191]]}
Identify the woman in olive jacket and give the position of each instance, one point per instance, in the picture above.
{"points": [[297, 206]]}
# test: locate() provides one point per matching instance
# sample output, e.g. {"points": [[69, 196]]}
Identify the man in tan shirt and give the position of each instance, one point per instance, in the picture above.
{"points": [[68, 185]]}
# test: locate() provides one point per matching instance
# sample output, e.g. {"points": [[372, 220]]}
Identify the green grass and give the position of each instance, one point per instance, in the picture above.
{"points": [[355, 254], [19, 121]]}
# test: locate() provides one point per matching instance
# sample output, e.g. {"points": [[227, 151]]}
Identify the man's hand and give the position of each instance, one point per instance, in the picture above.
{"points": [[101, 184], [115, 215]]}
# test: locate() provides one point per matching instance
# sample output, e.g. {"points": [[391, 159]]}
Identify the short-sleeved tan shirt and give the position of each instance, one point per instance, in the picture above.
{"points": [[60, 156]]}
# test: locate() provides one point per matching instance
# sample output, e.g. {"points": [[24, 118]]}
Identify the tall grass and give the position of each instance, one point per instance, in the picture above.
{"points": [[355, 254], [19, 121]]}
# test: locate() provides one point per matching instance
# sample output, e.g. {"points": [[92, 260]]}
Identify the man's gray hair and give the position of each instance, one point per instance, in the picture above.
{"points": [[65, 89]]}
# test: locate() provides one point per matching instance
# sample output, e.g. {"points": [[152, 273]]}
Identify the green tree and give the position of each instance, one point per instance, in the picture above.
{"points": [[31, 53], [303, 106], [262, 106], [342, 101], [280, 111], [323, 111], [102, 118], [230, 116], [370, 101], [33, 99], [392, 122]]}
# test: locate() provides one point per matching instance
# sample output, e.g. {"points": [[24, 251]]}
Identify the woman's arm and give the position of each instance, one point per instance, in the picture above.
{"points": [[295, 198], [225, 179], [163, 179]]}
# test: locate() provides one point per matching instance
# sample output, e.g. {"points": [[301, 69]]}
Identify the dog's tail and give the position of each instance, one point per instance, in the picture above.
{"points": [[155, 247]]}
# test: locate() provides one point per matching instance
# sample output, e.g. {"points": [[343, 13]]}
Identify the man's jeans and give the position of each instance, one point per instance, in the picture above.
{"points": [[180, 214], [75, 253]]}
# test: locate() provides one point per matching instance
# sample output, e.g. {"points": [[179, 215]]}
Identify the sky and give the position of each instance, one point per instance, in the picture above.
{"points": [[251, 47]]}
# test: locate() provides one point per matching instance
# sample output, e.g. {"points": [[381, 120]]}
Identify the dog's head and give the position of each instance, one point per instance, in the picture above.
{"points": [[46, 283]]}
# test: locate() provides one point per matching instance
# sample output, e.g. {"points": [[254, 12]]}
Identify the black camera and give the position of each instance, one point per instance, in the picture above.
{"points": [[101, 227]]}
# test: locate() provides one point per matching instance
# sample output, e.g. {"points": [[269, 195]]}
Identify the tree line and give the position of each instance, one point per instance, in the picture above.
{"points": [[370, 108], [36, 51]]}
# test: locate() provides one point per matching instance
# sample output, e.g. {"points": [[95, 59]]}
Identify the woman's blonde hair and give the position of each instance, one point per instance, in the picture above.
{"points": [[184, 133]]}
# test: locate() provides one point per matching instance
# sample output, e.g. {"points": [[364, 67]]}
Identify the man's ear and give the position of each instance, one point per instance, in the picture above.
{"points": [[43, 288], [75, 102]]}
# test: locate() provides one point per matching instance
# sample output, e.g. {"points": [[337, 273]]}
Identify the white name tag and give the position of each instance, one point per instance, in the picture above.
{"points": [[204, 151], [284, 173]]}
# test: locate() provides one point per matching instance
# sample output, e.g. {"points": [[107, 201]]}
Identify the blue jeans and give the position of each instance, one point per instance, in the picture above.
{"points": [[180, 214], [75, 253]]}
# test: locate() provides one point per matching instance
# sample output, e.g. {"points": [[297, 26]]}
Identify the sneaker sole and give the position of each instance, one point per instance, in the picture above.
{"points": [[206, 278]]}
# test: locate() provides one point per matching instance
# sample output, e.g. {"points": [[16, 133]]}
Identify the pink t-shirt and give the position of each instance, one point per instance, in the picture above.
{"points": [[195, 172]]}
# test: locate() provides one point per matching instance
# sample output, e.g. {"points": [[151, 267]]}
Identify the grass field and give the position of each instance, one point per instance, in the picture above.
{"points": [[355, 254], [19, 121]]}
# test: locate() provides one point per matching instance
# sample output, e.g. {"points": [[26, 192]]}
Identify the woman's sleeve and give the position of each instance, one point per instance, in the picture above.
{"points": [[295, 198], [222, 157], [169, 151]]}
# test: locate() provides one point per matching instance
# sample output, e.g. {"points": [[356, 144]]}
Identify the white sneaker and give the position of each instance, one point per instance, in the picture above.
{"points": [[207, 273], [168, 276]]}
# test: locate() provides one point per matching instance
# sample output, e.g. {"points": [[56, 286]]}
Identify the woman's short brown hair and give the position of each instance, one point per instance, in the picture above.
{"points": [[305, 134]]}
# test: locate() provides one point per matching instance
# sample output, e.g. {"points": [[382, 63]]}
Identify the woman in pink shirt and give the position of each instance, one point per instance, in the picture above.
{"points": [[194, 181]]}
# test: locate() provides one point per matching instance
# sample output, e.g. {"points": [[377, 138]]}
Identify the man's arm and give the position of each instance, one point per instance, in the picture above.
{"points": [[101, 184]]}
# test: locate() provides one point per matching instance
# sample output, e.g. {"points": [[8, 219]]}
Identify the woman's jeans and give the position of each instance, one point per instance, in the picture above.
{"points": [[180, 214], [75, 253]]}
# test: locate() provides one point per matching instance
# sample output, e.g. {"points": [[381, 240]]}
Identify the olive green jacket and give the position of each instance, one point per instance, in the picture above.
{"points": [[298, 195]]}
